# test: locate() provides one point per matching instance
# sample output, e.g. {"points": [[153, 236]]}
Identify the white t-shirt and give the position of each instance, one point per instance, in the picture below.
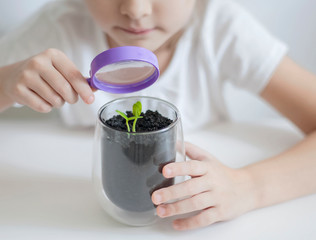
{"points": [[222, 43]]}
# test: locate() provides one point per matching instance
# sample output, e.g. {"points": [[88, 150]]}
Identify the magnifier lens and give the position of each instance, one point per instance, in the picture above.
{"points": [[124, 69], [125, 72]]}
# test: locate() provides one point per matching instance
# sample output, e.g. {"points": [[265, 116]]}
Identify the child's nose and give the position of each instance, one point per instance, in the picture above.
{"points": [[136, 9]]}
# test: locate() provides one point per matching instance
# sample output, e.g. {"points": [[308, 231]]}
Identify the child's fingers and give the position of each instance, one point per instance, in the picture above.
{"points": [[197, 202], [60, 85], [82, 87], [203, 219], [31, 99], [194, 152], [48, 94], [188, 188], [74, 77], [191, 168]]}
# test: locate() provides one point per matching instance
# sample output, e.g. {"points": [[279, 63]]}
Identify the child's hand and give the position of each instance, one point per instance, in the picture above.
{"points": [[44, 81], [217, 192]]}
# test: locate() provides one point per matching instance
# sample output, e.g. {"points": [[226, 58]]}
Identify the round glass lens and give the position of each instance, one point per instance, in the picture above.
{"points": [[125, 72]]}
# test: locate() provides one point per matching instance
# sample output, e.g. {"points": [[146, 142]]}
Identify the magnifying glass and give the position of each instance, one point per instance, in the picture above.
{"points": [[124, 70]]}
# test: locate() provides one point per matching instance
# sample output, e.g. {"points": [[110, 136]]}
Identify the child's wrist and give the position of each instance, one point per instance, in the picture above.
{"points": [[5, 100], [248, 189]]}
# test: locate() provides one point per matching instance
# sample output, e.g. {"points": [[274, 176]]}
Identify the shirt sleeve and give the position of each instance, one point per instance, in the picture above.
{"points": [[246, 52]]}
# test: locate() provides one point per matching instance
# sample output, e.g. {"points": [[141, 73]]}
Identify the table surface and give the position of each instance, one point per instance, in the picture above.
{"points": [[46, 190]]}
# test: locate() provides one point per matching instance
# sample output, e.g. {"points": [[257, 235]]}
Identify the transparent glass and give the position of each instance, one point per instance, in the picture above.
{"points": [[128, 166], [125, 72]]}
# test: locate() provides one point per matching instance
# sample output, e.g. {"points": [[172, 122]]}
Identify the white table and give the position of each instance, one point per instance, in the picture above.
{"points": [[46, 192]]}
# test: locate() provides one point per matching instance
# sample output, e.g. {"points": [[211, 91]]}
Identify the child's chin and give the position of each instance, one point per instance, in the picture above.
{"points": [[150, 46]]}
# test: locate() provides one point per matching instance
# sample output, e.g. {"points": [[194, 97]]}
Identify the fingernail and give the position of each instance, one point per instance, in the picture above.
{"points": [[161, 211], [176, 226], [90, 99], [168, 171], [157, 198], [47, 109]]}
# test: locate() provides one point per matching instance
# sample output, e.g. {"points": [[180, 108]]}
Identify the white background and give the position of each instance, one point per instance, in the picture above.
{"points": [[292, 21]]}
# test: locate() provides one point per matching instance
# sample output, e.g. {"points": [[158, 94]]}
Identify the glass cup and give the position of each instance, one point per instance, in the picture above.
{"points": [[128, 165]]}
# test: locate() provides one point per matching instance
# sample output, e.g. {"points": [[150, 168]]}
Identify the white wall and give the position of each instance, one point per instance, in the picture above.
{"points": [[13, 12], [292, 21]]}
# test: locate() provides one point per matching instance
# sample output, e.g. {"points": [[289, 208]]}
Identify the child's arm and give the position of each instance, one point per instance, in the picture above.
{"points": [[221, 193], [42, 82], [292, 90]]}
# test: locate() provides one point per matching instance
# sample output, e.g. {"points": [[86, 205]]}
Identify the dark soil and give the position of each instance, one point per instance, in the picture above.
{"points": [[132, 163], [151, 121]]}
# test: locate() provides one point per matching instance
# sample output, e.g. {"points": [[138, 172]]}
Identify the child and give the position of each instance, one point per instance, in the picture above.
{"points": [[200, 45]]}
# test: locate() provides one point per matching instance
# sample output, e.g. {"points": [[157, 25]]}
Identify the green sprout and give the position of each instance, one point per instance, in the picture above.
{"points": [[126, 118], [137, 110]]}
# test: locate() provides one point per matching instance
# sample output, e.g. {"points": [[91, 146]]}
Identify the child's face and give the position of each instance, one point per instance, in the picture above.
{"points": [[144, 23]]}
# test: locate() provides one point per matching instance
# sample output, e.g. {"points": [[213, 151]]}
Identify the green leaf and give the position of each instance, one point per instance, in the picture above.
{"points": [[137, 109], [122, 114], [126, 118]]}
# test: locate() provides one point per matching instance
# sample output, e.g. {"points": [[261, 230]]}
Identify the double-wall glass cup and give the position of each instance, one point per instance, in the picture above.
{"points": [[128, 165]]}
